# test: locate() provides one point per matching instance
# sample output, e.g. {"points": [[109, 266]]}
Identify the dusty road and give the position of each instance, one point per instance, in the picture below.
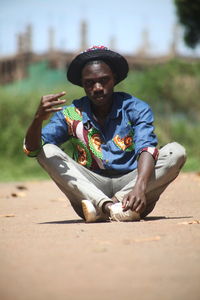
{"points": [[47, 252]]}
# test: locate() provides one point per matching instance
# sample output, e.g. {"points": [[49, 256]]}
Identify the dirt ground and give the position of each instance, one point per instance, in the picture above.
{"points": [[48, 252]]}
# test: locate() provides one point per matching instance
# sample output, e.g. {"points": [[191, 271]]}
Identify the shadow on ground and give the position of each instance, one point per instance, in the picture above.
{"points": [[75, 221]]}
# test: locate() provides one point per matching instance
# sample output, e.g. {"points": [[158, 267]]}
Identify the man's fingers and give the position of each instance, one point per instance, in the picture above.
{"points": [[53, 109], [59, 94], [137, 204], [126, 204], [54, 103], [124, 201], [140, 208], [53, 97]]}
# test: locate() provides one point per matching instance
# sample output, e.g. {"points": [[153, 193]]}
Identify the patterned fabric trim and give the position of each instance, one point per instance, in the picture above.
{"points": [[31, 153], [72, 113], [85, 139], [126, 143], [152, 150], [95, 143], [81, 153]]}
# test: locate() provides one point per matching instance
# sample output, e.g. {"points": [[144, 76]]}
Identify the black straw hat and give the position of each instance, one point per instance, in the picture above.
{"points": [[117, 63]]}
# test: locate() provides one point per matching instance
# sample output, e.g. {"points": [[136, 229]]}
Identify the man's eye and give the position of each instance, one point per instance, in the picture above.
{"points": [[104, 80], [88, 83]]}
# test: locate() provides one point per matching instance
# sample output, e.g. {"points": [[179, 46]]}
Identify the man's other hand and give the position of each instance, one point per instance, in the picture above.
{"points": [[135, 200]]}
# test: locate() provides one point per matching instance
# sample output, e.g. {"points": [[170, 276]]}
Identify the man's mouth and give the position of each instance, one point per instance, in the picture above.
{"points": [[99, 97]]}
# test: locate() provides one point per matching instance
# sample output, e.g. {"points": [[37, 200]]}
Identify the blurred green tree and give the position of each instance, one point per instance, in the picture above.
{"points": [[188, 12]]}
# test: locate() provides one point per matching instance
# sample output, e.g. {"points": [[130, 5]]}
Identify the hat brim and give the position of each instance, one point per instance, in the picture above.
{"points": [[117, 63]]}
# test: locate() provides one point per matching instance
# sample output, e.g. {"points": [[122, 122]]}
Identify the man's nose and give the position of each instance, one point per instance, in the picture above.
{"points": [[98, 86]]}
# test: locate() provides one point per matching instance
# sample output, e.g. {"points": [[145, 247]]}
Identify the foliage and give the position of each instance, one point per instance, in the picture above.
{"points": [[189, 16], [183, 131], [172, 90]]}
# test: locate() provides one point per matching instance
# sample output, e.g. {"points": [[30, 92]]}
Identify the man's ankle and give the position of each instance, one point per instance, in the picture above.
{"points": [[114, 199], [106, 207]]}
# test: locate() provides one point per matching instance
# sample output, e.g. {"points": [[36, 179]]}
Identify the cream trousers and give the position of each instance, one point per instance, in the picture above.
{"points": [[78, 183]]}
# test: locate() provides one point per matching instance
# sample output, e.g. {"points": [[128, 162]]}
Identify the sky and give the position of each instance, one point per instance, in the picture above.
{"points": [[124, 21]]}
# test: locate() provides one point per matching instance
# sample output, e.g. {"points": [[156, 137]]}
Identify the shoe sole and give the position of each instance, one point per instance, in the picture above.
{"points": [[132, 218], [89, 211]]}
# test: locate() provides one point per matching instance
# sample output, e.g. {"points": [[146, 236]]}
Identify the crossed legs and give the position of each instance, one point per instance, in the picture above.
{"points": [[79, 183]]}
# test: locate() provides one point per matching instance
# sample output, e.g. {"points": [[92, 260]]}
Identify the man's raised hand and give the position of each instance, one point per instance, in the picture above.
{"points": [[50, 104]]}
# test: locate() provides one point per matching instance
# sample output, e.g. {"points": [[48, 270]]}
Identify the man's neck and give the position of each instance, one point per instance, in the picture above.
{"points": [[101, 113]]}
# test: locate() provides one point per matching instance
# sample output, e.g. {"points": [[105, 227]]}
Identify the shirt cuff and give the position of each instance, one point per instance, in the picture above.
{"points": [[152, 150], [31, 153]]}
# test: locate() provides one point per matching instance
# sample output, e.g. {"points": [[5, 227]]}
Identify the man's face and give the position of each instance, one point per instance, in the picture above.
{"points": [[98, 82]]}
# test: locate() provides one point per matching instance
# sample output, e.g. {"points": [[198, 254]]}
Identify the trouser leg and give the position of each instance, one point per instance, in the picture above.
{"points": [[75, 181], [171, 159]]}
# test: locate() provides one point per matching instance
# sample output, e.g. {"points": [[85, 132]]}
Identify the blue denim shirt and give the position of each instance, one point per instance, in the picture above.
{"points": [[128, 130]]}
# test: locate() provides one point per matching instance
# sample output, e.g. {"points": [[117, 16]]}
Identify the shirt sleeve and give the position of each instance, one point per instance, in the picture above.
{"points": [[56, 131], [144, 136]]}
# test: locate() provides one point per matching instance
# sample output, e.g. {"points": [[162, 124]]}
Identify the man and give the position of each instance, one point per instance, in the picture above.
{"points": [[116, 173]]}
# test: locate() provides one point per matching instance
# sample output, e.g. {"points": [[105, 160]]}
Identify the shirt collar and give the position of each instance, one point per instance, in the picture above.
{"points": [[87, 113], [115, 111]]}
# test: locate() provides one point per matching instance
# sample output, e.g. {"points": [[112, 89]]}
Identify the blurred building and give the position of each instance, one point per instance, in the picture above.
{"points": [[15, 67], [51, 40], [24, 41], [83, 35], [173, 50], [144, 49]]}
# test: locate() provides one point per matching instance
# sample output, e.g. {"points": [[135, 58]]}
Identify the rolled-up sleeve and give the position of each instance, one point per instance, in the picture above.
{"points": [[56, 131], [144, 136]]}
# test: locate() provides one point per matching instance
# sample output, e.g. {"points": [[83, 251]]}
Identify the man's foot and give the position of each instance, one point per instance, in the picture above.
{"points": [[117, 213], [89, 211]]}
